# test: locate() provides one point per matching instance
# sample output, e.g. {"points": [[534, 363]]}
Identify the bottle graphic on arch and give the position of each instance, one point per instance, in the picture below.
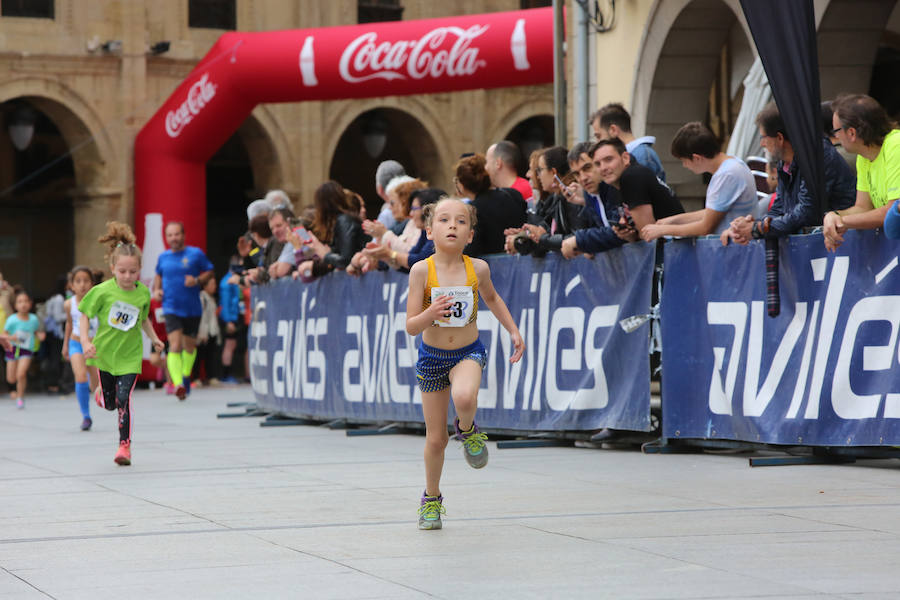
{"points": [[519, 46], [308, 63]]}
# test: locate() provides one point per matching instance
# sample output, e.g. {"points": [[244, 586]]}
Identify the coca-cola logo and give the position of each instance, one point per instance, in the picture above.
{"points": [[432, 55], [199, 95]]}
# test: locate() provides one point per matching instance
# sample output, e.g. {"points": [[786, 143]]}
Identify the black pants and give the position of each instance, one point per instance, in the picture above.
{"points": [[117, 395]]}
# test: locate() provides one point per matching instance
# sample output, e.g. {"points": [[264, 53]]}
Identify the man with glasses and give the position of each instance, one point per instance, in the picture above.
{"points": [[863, 127], [794, 207]]}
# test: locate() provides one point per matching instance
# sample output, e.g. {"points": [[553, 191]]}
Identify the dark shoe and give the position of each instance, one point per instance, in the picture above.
{"points": [[86, 424]]}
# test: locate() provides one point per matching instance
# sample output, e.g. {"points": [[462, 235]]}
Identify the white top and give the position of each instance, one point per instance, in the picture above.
{"points": [[76, 321], [732, 190]]}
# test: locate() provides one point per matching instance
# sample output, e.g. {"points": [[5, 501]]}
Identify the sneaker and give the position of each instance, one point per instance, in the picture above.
{"points": [[229, 380], [86, 424], [20, 403], [430, 511], [180, 392], [187, 386], [123, 456], [170, 389], [474, 447]]}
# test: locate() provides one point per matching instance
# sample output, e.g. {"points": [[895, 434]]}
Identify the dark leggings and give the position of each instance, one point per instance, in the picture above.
{"points": [[117, 395]]}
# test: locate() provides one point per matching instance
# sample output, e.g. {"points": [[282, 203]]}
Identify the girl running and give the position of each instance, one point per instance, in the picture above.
{"points": [[81, 279], [442, 305], [22, 326], [121, 305]]}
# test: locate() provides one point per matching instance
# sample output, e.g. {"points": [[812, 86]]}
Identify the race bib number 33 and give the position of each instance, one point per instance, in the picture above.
{"points": [[462, 302], [123, 316]]}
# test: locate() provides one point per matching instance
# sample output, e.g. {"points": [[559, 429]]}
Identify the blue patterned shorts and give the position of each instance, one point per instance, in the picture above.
{"points": [[434, 364]]}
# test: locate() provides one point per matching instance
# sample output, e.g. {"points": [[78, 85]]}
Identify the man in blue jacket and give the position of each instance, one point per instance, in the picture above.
{"points": [[794, 207]]}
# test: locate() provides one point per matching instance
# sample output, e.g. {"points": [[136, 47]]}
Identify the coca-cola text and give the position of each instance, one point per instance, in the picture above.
{"points": [[364, 58], [199, 95]]}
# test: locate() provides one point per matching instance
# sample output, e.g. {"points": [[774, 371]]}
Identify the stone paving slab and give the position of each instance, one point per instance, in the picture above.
{"points": [[223, 508]]}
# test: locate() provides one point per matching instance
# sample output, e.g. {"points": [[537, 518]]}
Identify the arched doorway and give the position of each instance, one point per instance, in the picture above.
{"points": [[695, 75], [385, 134], [852, 41], [37, 176], [529, 135], [230, 187]]}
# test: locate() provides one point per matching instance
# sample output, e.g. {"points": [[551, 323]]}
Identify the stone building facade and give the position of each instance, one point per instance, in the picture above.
{"points": [[91, 74]]}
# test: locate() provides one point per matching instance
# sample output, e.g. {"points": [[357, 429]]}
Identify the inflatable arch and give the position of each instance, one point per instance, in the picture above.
{"points": [[359, 61]]}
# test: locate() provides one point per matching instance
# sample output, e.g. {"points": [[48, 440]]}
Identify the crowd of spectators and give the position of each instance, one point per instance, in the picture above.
{"points": [[598, 195]]}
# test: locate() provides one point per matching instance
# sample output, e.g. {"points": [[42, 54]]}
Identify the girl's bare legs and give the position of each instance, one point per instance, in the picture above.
{"points": [[465, 379], [22, 376], [11, 377], [434, 407]]}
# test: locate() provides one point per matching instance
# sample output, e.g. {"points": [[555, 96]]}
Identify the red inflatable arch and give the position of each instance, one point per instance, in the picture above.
{"points": [[384, 59]]}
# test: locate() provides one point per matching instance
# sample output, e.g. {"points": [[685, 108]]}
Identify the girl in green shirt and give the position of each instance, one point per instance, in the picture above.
{"points": [[121, 305]]}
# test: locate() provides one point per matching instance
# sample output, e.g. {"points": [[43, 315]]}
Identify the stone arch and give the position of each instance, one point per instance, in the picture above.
{"points": [[414, 107], [269, 152], [849, 34], [97, 196], [518, 113], [407, 141], [676, 67], [78, 123]]}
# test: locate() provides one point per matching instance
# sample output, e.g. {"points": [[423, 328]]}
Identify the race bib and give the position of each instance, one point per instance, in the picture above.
{"points": [[123, 316], [462, 303], [24, 339]]}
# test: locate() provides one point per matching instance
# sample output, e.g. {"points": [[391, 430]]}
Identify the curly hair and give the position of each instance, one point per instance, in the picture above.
{"points": [[471, 173], [405, 190], [119, 239]]}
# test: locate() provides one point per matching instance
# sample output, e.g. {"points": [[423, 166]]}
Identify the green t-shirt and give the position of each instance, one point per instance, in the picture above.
{"points": [[120, 347], [881, 177]]}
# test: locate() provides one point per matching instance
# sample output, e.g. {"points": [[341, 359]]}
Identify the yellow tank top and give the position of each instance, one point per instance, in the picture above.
{"points": [[471, 281]]}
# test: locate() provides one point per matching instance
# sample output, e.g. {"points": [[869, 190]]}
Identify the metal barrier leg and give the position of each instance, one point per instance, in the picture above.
{"points": [[282, 421], [506, 444], [389, 429]]}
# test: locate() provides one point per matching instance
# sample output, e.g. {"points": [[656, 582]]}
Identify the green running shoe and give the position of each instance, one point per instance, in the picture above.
{"points": [[474, 447], [430, 511]]}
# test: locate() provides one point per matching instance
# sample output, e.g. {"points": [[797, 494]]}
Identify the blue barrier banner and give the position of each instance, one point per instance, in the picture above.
{"points": [[338, 347], [824, 372]]}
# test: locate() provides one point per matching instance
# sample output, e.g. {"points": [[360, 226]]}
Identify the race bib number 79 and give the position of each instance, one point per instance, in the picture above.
{"points": [[123, 316], [462, 302]]}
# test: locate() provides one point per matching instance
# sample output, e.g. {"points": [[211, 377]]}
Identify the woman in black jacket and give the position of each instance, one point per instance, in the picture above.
{"points": [[497, 209], [336, 230]]}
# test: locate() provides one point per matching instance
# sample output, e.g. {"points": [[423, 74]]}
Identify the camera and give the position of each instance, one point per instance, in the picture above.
{"points": [[625, 213], [523, 243]]}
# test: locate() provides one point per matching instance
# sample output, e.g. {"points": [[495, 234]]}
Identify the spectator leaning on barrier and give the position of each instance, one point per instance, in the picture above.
{"points": [[537, 192], [794, 206], [863, 127], [501, 160], [376, 229], [643, 194], [613, 121], [497, 209], [731, 192], [422, 249], [386, 171], [337, 232], [280, 220], [557, 215], [601, 212]]}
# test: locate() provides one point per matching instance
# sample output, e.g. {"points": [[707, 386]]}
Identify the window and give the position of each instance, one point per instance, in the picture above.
{"points": [[212, 14], [39, 9], [535, 3], [374, 11]]}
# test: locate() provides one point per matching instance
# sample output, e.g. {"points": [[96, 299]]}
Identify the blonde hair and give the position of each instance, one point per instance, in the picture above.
{"points": [[429, 209], [120, 240]]}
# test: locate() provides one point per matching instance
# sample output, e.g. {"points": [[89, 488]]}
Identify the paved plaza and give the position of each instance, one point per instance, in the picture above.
{"points": [[223, 508]]}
